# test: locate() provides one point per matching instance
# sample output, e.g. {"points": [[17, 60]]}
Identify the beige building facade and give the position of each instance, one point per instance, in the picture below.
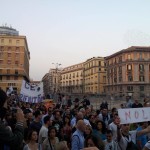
{"points": [[72, 79], [94, 76], [128, 72], [14, 59]]}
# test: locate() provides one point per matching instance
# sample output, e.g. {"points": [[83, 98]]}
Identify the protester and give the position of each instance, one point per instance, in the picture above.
{"points": [[36, 123], [127, 139], [78, 136], [50, 142], [110, 144], [100, 130], [44, 129], [9, 139], [136, 104], [31, 141]]}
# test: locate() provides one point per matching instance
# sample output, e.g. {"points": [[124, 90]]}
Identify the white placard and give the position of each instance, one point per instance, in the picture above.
{"points": [[31, 93], [134, 115]]}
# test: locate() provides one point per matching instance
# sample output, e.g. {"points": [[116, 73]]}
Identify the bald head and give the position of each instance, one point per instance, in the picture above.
{"points": [[81, 125]]}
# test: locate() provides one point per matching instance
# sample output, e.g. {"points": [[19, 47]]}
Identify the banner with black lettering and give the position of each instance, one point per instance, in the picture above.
{"points": [[31, 93]]}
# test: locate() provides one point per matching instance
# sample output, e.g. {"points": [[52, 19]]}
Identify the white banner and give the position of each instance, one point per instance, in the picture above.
{"points": [[134, 115], [31, 93]]}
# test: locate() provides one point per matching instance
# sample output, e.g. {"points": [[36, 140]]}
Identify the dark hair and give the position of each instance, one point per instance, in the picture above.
{"points": [[97, 141], [64, 119], [46, 118], [3, 98], [109, 132], [51, 128], [30, 134], [103, 126], [37, 113]]}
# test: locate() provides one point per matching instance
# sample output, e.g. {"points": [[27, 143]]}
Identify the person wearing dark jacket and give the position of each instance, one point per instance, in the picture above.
{"points": [[11, 140]]}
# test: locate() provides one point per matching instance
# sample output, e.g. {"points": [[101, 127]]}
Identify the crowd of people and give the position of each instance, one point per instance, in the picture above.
{"points": [[69, 125]]}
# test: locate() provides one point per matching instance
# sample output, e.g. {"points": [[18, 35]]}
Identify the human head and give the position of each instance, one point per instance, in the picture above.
{"points": [[109, 135], [79, 115], [38, 114], [125, 128], [51, 132], [104, 111], [116, 119], [88, 130], [94, 141], [81, 125], [100, 125], [32, 135], [46, 120]]}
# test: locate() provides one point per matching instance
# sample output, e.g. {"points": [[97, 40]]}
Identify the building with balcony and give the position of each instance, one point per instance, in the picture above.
{"points": [[128, 72], [14, 59], [94, 73], [72, 79]]}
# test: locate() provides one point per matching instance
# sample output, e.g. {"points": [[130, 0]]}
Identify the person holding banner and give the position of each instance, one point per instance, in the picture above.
{"points": [[127, 139]]}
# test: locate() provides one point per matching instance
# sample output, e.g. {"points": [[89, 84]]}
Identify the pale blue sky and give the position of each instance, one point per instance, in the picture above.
{"points": [[72, 31]]}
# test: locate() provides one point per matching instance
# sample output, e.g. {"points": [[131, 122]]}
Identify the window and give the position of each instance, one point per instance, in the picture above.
{"points": [[120, 59], [129, 88], [129, 67], [17, 41], [10, 41], [141, 67], [141, 78], [8, 71], [141, 88], [16, 62], [9, 54], [120, 69], [115, 80], [1, 54], [120, 88], [130, 78], [16, 71], [0, 71], [17, 50], [9, 62], [99, 63], [1, 61], [129, 57], [120, 79], [2, 40], [15, 78], [9, 49], [8, 78], [77, 75], [0, 78], [140, 56]]}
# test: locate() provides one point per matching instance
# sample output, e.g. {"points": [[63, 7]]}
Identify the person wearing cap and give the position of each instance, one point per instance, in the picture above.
{"points": [[9, 139]]}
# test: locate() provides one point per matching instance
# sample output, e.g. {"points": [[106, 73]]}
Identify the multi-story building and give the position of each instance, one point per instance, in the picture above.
{"points": [[46, 84], [14, 59], [94, 76], [72, 79], [128, 72], [55, 79]]}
